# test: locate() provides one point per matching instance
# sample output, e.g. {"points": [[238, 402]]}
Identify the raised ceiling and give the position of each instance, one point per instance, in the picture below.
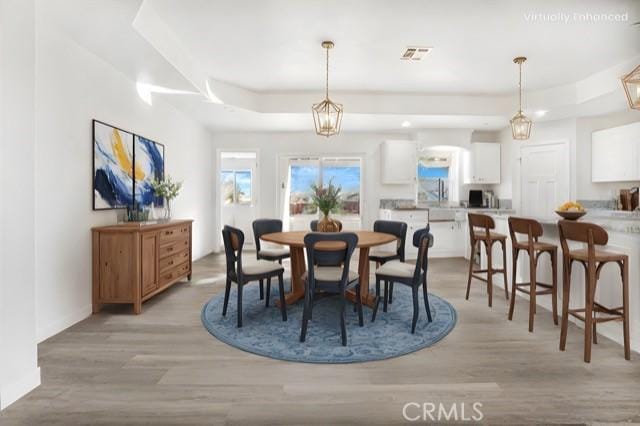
{"points": [[274, 45], [264, 61]]}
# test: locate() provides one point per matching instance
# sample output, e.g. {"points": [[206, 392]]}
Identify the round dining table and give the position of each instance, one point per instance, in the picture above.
{"points": [[295, 241]]}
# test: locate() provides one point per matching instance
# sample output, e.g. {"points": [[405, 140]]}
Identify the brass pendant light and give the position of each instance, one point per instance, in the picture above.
{"points": [[631, 83], [327, 115], [520, 123]]}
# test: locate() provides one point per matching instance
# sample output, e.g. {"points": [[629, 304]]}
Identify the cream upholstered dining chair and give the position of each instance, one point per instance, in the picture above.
{"points": [[270, 253], [411, 275], [323, 275], [242, 274]]}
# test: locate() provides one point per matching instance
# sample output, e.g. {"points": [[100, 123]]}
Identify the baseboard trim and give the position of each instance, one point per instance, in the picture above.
{"points": [[12, 392], [63, 323]]}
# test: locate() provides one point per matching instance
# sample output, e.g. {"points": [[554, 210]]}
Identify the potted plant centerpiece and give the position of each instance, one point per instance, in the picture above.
{"points": [[327, 200], [167, 189]]}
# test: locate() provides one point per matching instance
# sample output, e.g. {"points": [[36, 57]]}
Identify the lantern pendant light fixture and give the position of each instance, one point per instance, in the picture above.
{"points": [[520, 123], [327, 115], [631, 83]]}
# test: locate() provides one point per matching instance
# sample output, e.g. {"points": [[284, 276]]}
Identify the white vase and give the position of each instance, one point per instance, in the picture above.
{"points": [[167, 209]]}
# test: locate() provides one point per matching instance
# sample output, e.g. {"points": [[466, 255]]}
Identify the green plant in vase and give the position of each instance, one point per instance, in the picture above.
{"points": [[167, 189], [327, 200]]}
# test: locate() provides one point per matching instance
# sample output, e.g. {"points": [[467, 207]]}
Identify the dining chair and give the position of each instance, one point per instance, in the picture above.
{"points": [[592, 258], [260, 228], [314, 225], [242, 274], [399, 230], [324, 251], [410, 275]]}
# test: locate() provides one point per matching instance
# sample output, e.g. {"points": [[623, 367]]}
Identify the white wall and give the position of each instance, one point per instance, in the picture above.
{"points": [[19, 372], [578, 134], [73, 87], [364, 145], [273, 145]]}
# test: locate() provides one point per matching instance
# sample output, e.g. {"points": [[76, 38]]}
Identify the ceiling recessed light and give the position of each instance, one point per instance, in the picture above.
{"points": [[541, 113], [406, 123]]}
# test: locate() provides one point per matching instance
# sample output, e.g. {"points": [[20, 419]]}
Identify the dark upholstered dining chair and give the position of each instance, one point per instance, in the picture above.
{"points": [[260, 228], [324, 251], [242, 274], [410, 275], [399, 230]]}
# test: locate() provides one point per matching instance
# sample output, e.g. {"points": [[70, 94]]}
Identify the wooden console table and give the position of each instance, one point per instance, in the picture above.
{"points": [[133, 262]]}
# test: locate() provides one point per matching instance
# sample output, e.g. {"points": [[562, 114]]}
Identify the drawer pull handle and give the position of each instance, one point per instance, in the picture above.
{"points": [[171, 263], [170, 249]]}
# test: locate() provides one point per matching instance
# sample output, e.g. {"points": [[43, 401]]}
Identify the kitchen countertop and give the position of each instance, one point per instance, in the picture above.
{"points": [[612, 220]]}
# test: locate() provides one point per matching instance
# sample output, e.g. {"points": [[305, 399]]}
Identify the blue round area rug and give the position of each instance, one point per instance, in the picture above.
{"points": [[264, 333]]}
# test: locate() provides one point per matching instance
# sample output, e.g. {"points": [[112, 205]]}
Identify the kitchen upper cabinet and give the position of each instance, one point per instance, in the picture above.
{"points": [[615, 156], [398, 162], [482, 163]]}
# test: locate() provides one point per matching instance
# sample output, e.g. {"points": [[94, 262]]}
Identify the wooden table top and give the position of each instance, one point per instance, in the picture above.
{"points": [[296, 238]]}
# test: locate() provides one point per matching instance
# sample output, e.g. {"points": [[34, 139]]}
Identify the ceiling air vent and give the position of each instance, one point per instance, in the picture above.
{"points": [[415, 53]]}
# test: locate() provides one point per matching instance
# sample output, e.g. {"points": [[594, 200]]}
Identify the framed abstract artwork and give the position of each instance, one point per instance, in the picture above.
{"points": [[113, 160], [149, 166]]}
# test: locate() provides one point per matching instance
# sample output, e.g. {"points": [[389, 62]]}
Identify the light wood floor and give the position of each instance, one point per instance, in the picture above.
{"points": [[162, 367]]}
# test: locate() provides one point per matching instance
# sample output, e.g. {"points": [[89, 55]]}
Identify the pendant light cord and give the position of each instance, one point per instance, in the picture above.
{"points": [[520, 84], [327, 76]]}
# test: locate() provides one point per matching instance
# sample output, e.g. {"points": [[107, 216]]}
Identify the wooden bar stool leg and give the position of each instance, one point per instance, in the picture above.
{"points": [[503, 243], [514, 265], [532, 288], [554, 283], [566, 285], [471, 260], [588, 311], [488, 246], [625, 307]]}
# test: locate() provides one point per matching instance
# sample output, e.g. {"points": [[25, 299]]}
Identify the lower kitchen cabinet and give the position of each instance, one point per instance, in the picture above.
{"points": [[448, 239]]}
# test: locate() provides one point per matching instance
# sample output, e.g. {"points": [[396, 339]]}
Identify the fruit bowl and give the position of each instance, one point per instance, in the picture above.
{"points": [[571, 215]]}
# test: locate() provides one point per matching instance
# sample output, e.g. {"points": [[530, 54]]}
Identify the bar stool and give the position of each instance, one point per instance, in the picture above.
{"points": [[484, 235], [593, 260], [532, 229]]}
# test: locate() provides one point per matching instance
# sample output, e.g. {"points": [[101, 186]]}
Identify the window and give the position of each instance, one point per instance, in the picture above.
{"points": [[236, 186], [346, 174], [433, 177], [303, 173]]}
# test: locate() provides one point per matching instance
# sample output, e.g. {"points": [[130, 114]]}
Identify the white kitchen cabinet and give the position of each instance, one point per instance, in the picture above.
{"points": [[448, 239], [481, 164], [615, 155], [398, 161]]}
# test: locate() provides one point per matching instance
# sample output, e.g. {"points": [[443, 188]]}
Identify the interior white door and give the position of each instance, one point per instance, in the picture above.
{"points": [[544, 178]]}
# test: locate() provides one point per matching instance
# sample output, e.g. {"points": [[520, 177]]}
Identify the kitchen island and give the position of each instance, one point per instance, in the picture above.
{"points": [[624, 237]]}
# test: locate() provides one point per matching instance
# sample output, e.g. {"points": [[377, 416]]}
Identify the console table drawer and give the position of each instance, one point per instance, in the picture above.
{"points": [[171, 261], [173, 247], [173, 274], [174, 233]]}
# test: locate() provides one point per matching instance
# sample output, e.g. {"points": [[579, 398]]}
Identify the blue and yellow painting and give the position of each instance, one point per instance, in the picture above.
{"points": [[149, 165], [112, 167]]}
